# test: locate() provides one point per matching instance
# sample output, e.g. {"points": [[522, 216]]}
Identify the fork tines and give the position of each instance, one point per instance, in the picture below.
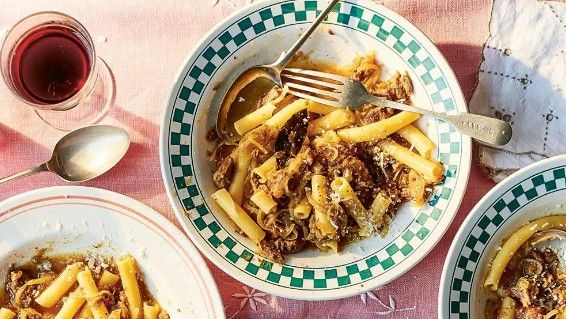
{"points": [[320, 87]]}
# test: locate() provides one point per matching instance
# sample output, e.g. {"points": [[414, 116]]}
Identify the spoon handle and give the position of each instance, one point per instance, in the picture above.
{"points": [[31, 171], [287, 55]]}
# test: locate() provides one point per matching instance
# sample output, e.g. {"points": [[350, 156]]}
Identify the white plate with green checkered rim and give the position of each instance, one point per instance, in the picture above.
{"points": [[535, 191], [256, 35]]}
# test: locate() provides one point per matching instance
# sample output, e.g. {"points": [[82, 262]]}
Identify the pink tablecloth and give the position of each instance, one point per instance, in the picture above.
{"points": [[145, 42]]}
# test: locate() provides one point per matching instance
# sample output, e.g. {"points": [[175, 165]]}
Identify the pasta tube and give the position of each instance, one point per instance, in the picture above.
{"points": [[150, 312], [128, 271], [263, 200], [507, 310], [378, 208], [107, 280], [85, 313], [238, 215], [264, 169], [352, 204], [430, 170], [72, 305], [6, 313], [378, 130], [515, 242], [337, 119], [115, 314], [303, 209], [239, 179], [280, 118], [254, 119], [323, 109], [86, 283], [59, 287], [320, 203], [415, 137]]}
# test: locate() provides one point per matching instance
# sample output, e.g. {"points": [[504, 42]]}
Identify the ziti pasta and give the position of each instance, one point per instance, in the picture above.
{"points": [[526, 282], [307, 174], [78, 286]]}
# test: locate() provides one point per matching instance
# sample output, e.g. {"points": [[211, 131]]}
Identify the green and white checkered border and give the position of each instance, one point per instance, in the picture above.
{"points": [[486, 226], [199, 77]]}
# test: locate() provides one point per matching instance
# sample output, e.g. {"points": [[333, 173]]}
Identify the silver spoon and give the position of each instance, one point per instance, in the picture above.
{"points": [[83, 154], [271, 72], [552, 239]]}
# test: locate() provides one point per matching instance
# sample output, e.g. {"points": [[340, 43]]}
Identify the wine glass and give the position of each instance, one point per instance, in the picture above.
{"points": [[49, 61]]}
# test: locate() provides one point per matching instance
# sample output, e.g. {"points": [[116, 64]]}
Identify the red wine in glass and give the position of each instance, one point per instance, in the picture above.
{"points": [[50, 64]]}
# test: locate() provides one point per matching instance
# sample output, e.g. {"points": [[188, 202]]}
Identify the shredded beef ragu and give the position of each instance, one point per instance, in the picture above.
{"points": [[299, 157]]}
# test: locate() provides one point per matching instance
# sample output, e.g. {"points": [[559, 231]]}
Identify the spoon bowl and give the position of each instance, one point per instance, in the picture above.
{"points": [[271, 72], [552, 239], [246, 78], [88, 152], [83, 154]]}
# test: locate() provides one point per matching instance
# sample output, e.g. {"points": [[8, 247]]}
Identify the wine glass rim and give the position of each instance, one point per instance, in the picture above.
{"points": [[64, 105]]}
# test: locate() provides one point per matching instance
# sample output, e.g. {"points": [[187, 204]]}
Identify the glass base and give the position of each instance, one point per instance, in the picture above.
{"points": [[91, 110]]}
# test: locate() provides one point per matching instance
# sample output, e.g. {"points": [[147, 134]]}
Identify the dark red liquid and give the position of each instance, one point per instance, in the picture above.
{"points": [[50, 65]]}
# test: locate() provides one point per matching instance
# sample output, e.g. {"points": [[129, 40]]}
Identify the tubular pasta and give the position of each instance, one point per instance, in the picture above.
{"points": [[254, 119], [430, 170], [128, 270], [86, 283], [52, 294], [280, 118], [6, 313], [303, 209], [378, 130], [415, 137], [323, 109], [238, 215], [352, 205], [150, 312], [264, 169], [507, 310], [263, 200], [319, 201], [337, 119], [378, 208], [515, 242], [238, 181], [72, 305]]}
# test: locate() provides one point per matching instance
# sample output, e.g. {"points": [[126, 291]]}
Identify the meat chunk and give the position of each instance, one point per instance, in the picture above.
{"points": [[271, 251], [359, 177], [398, 87], [524, 290], [222, 177]]}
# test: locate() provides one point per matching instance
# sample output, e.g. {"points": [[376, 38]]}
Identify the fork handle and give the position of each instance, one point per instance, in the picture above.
{"points": [[287, 55], [484, 129]]}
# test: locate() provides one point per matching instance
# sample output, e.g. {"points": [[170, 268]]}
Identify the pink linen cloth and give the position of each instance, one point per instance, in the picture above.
{"points": [[145, 43]]}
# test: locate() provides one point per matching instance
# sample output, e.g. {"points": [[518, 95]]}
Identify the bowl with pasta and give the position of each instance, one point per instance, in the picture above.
{"points": [[492, 269], [77, 252], [300, 199]]}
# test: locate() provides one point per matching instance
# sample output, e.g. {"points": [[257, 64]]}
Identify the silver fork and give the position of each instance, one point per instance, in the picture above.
{"points": [[342, 92]]}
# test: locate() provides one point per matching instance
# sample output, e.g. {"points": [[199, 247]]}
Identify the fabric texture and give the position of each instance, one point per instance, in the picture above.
{"points": [[521, 81], [145, 42]]}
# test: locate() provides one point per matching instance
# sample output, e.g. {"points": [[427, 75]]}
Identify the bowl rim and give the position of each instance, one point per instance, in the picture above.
{"points": [[213, 301], [422, 252], [477, 211]]}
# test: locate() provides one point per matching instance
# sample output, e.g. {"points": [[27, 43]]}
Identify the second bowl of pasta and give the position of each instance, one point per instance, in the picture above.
{"points": [[492, 269], [311, 202]]}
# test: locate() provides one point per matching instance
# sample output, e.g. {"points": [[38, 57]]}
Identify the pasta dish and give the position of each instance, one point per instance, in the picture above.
{"points": [[306, 174], [82, 287], [526, 283]]}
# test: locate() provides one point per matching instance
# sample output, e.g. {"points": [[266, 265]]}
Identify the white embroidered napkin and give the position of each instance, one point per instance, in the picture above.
{"points": [[521, 80]]}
